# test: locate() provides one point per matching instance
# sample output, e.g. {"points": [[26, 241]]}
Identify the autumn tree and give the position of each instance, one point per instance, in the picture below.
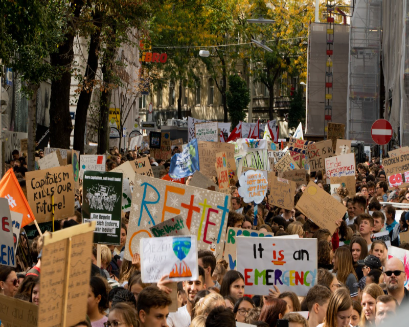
{"points": [[238, 98]]}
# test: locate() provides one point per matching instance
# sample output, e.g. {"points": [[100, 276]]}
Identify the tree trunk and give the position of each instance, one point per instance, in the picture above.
{"points": [[271, 102], [180, 95], [87, 90], [32, 126], [103, 132], [60, 120], [224, 89]]}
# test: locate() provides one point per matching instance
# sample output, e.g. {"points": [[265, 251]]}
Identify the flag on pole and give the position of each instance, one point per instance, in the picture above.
{"points": [[11, 190], [236, 132], [222, 139], [271, 131], [299, 132], [255, 132]]}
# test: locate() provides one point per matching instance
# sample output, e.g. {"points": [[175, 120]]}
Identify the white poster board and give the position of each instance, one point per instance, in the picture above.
{"points": [[16, 219], [340, 166], [7, 257], [207, 131], [49, 161], [92, 162]]}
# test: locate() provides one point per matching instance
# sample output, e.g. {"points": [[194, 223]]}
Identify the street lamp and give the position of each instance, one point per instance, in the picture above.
{"points": [[204, 53], [260, 20], [261, 45]]}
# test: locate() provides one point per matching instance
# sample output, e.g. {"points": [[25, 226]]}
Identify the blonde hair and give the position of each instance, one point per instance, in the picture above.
{"points": [[105, 254], [199, 321], [344, 264], [340, 301], [208, 303], [295, 228], [374, 291], [296, 317]]}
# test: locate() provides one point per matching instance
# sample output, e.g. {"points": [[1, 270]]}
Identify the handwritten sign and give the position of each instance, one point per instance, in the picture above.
{"points": [[191, 127], [164, 152], [289, 264], [222, 171], [286, 163], [345, 181], [276, 155], [319, 206], [171, 227], [399, 152], [73, 158], [42, 184], [207, 131], [158, 171], [297, 175], [205, 212], [405, 237], [335, 131], [382, 236], [142, 167], [16, 313], [253, 186], [63, 153], [342, 147], [65, 276], [49, 161], [7, 257], [317, 152], [175, 256], [92, 162], [396, 165], [297, 145], [207, 153], [102, 203], [397, 180], [403, 255], [282, 192], [255, 159], [339, 166], [16, 220]]}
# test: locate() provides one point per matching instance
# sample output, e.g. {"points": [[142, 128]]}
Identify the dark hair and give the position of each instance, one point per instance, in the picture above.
{"points": [[375, 275], [233, 218], [324, 255], [378, 214], [279, 221], [124, 296], [237, 199], [321, 234], [128, 313], [208, 259], [363, 244], [362, 201], [230, 277], [390, 210], [271, 311], [152, 297], [366, 216], [317, 294], [113, 292], [383, 185], [370, 183], [201, 273], [99, 288], [245, 298], [386, 299], [5, 272], [374, 205], [15, 152], [220, 317], [324, 278], [294, 299]]}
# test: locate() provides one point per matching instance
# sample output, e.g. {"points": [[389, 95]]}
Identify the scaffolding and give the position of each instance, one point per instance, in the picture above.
{"points": [[363, 100]]}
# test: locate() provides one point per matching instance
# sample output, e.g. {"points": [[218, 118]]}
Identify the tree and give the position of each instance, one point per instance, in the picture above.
{"points": [[296, 114], [238, 98]]}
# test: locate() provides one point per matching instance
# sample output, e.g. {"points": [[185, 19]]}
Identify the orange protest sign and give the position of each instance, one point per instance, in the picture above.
{"points": [[11, 190]]}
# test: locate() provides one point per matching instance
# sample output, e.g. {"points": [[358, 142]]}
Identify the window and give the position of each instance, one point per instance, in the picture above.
{"points": [[198, 93], [210, 91], [142, 102], [171, 94]]}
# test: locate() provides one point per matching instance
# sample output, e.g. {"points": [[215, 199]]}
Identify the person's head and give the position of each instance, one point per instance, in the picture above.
{"points": [[350, 209], [379, 249], [295, 228], [371, 188], [124, 296], [198, 321], [235, 203], [242, 307], [322, 235], [356, 313], [135, 284], [373, 276], [390, 214], [192, 287], [381, 188], [206, 259], [220, 270], [235, 219], [206, 304], [379, 221], [35, 291], [181, 295], [152, 307], [9, 282], [364, 191], [366, 224], [122, 314], [233, 285], [358, 248], [272, 310], [385, 308], [359, 203], [220, 317], [368, 302], [295, 320], [327, 279], [15, 154], [97, 300], [317, 300], [123, 235], [339, 309], [343, 263], [106, 256], [247, 223], [394, 275], [374, 205], [292, 301], [324, 252]]}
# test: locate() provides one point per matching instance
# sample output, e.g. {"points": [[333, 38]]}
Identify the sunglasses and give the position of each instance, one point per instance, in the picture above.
{"points": [[395, 272], [15, 282]]}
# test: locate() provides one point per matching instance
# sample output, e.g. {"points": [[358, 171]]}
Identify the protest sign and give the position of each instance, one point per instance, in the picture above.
{"points": [[16, 313], [246, 145], [23, 146], [342, 147], [286, 163], [191, 127], [175, 256], [382, 236], [405, 237], [205, 212], [49, 161], [335, 131], [398, 152], [256, 159], [317, 152], [253, 186], [319, 206], [297, 145], [289, 264], [135, 142], [92, 162], [186, 163], [296, 175], [128, 171], [222, 171], [164, 152], [177, 144], [7, 257], [202, 181], [403, 255], [207, 131], [73, 158], [65, 276], [340, 166], [282, 192], [276, 155], [397, 180], [345, 181], [43, 184], [16, 220], [158, 171], [63, 154], [155, 140], [207, 153], [396, 165], [102, 203], [171, 227], [142, 167]]}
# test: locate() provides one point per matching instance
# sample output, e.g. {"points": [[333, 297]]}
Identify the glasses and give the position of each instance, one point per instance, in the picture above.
{"points": [[113, 323], [243, 312], [395, 272], [15, 282]]}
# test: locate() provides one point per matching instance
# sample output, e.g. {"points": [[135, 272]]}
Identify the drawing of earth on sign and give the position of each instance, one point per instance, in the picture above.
{"points": [[181, 248]]}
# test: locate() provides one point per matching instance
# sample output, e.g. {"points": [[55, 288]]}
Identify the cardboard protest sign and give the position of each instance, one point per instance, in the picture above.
{"points": [[282, 192], [63, 154], [319, 206], [345, 181], [127, 169], [158, 171], [92, 162], [7, 257], [16, 313], [177, 144], [16, 220], [65, 276], [222, 171], [155, 140], [396, 165], [297, 145], [49, 161], [340, 166], [335, 131], [398, 152], [255, 159], [253, 186], [164, 152], [207, 153], [175, 256], [403, 255], [142, 167], [102, 203], [186, 163], [289, 264], [171, 227], [342, 147], [276, 155], [207, 131], [286, 163], [296, 175], [382, 236], [73, 158], [191, 127], [205, 212], [202, 181], [405, 237], [23, 146], [43, 184], [397, 180], [317, 152]]}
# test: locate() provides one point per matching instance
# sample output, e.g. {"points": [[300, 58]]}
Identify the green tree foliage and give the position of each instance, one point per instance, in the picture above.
{"points": [[297, 109], [238, 98]]}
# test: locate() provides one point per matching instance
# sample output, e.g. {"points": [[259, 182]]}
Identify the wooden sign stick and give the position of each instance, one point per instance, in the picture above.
{"points": [[98, 255], [66, 283]]}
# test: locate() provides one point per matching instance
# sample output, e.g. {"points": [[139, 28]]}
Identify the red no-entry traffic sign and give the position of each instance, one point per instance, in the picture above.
{"points": [[381, 131]]}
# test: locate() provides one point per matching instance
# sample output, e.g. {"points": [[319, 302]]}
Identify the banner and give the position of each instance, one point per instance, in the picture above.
{"points": [[342, 147], [222, 171], [186, 163], [317, 152], [43, 184], [92, 162], [253, 186], [382, 236], [289, 264], [102, 202], [282, 192], [297, 175], [298, 145], [207, 131], [155, 200], [255, 159], [191, 127], [7, 257], [207, 153], [286, 163], [396, 165], [340, 166], [320, 207], [175, 256], [171, 227]]}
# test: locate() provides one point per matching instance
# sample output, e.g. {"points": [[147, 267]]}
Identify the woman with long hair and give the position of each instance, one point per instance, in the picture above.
{"points": [[356, 313], [220, 270], [204, 306], [97, 302], [344, 269], [292, 301], [380, 250], [123, 314], [9, 282], [242, 307], [325, 255], [273, 310], [359, 250], [339, 309], [232, 285], [368, 303]]}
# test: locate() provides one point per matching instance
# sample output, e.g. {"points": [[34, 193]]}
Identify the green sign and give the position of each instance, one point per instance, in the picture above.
{"points": [[102, 196]]}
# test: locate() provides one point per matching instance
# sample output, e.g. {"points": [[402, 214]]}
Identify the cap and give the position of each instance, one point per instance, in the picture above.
{"points": [[370, 261]]}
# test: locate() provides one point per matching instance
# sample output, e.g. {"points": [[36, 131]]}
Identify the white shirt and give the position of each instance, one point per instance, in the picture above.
{"points": [[240, 210], [181, 318], [350, 222]]}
